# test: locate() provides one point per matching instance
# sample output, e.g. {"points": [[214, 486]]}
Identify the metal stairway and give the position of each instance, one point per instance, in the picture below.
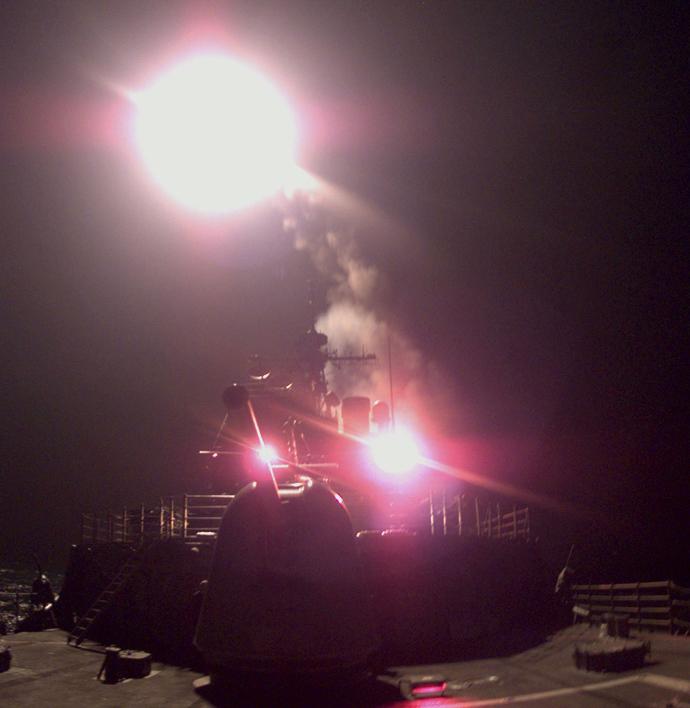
{"points": [[81, 629]]}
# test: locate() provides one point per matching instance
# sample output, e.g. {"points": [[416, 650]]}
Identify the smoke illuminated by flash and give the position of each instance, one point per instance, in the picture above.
{"points": [[356, 320]]}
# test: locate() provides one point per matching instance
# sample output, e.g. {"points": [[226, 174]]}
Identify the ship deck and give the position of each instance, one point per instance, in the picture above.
{"points": [[46, 671]]}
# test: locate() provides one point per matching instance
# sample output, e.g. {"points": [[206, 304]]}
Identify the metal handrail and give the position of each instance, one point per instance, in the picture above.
{"points": [[184, 516], [648, 605]]}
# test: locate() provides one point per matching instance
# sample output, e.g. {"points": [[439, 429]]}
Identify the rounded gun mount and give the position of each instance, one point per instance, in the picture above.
{"points": [[287, 589]]}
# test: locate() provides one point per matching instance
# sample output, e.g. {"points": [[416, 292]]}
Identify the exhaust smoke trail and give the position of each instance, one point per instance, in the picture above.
{"points": [[360, 319]]}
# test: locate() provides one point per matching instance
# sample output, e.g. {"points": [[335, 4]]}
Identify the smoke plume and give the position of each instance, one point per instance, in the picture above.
{"points": [[359, 320]]}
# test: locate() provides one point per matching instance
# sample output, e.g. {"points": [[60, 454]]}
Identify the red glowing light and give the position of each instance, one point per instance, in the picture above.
{"points": [[428, 689]]}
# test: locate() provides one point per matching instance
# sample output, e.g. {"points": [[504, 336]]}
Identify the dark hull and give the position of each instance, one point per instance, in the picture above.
{"points": [[434, 598]]}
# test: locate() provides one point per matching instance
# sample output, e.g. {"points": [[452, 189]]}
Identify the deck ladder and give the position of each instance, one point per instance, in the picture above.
{"points": [[81, 629]]}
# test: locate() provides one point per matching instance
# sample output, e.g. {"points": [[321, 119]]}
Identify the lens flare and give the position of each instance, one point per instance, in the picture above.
{"points": [[395, 453], [268, 454], [216, 134]]}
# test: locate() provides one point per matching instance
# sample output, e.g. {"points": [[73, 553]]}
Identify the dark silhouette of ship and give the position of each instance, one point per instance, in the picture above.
{"points": [[303, 562]]}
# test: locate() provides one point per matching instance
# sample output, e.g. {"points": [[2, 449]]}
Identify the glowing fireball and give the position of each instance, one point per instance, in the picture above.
{"points": [[216, 134]]}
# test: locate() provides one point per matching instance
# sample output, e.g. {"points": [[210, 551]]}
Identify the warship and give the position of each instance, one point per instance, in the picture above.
{"points": [[299, 577], [303, 555]]}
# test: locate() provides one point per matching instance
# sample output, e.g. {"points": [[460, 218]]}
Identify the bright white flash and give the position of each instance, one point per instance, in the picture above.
{"points": [[395, 452], [268, 454], [216, 134]]}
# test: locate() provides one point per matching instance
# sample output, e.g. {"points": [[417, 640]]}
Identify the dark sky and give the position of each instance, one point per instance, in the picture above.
{"points": [[518, 171]]}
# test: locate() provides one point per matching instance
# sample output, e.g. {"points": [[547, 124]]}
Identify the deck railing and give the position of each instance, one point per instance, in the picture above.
{"points": [[13, 605], [511, 524], [188, 516], [662, 606], [456, 515], [197, 517]]}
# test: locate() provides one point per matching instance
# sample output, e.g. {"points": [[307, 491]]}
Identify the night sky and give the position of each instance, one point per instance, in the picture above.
{"points": [[508, 178]]}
